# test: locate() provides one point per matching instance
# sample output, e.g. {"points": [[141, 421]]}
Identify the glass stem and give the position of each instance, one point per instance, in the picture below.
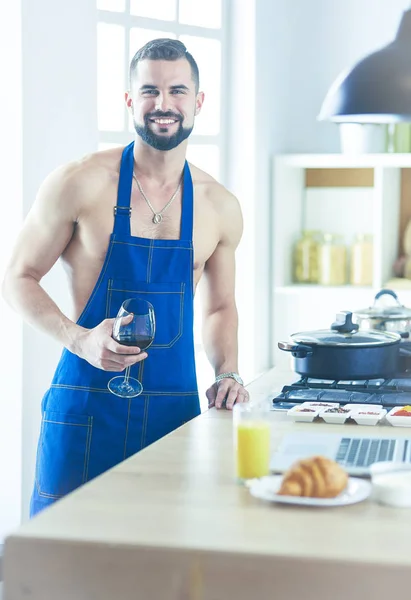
{"points": [[126, 375]]}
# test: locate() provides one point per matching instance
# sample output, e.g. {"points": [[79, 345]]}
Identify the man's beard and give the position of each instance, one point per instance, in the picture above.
{"points": [[162, 142]]}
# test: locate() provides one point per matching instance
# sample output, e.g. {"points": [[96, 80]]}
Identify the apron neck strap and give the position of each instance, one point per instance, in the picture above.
{"points": [[187, 210], [122, 210]]}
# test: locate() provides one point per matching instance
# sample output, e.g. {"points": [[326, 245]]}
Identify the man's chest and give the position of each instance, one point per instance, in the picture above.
{"points": [[96, 226]]}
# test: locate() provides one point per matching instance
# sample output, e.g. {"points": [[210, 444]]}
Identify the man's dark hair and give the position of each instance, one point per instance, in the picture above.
{"points": [[165, 49]]}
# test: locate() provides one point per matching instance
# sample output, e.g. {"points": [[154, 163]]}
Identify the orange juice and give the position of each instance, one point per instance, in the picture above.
{"points": [[252, 444]]}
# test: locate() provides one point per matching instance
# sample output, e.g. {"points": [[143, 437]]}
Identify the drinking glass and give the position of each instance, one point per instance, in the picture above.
{"points": [[251, 428], [139, 332]]}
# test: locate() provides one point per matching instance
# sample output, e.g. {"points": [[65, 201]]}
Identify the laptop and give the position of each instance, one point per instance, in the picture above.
{"points": [[354, 453]]}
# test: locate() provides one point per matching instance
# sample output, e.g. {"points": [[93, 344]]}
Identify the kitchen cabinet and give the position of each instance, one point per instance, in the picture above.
{"points": [[344, 195]]}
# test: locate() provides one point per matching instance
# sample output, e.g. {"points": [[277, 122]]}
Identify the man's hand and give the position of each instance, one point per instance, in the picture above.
{"points": [[98, 348], [226, 392]]}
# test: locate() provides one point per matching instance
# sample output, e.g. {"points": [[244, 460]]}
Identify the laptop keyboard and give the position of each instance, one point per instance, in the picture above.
{"points": [[357, 452]]}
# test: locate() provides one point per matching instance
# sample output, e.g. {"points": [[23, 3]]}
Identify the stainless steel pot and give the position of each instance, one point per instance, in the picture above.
{"points": [[392, 318], [344, 352]]}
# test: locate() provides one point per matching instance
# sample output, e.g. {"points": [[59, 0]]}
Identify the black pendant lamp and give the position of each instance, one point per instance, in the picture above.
{"points": [[378, 88]]}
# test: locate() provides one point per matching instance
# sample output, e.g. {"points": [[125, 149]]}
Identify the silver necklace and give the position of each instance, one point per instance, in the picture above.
{"points": [[158, 216]]}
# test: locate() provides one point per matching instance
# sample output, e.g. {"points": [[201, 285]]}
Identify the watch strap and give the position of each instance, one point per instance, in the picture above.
{"points": [[230, 375]]}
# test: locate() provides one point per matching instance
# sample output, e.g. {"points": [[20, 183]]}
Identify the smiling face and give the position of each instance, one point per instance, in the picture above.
{"points": [[164, 102]]}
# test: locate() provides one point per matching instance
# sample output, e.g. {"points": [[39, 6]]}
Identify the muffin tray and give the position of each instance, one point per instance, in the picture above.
{"points": [[362, 414]]}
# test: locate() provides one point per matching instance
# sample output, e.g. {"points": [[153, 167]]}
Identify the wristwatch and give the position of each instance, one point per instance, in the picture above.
{"points": [[231, 375]]}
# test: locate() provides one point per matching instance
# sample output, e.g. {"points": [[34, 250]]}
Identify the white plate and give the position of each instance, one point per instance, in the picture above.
{"points": [[266, 488], [305, 414], [368, 419], [356, 407], [398, 421], [320, 405], [330, 417]]}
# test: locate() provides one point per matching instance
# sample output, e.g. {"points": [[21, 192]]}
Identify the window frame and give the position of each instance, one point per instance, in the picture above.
{"points": [[129, 21]]}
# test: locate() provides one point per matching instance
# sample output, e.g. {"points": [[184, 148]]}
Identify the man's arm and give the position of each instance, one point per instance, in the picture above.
{"points": [[220, 318], [46, 233]]}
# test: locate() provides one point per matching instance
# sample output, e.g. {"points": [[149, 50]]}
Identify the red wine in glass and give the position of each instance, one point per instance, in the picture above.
{"points": [[141, 341], [139, 332]]}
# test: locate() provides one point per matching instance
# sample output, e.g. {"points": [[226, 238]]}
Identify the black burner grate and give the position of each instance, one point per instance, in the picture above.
{"points": [[384, 392]]}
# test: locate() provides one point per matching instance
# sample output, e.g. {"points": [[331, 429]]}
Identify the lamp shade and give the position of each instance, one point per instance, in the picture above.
{"points": [[378, 88]]}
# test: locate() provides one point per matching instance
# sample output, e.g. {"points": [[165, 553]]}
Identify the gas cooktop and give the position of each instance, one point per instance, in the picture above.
{"points": [[384, 392]]}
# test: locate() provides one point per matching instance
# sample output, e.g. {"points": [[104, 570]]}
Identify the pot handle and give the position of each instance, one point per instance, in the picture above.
{"points": [[387, 292], [297, 350]]}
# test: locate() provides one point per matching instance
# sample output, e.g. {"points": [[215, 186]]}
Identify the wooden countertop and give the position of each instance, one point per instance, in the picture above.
{"points": [[171, 523]]}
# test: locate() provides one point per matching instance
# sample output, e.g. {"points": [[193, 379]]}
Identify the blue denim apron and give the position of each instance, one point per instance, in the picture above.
{"points": [[85, 429]]}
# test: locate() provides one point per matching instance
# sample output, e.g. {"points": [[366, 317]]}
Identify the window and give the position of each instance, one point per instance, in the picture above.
{"points": [[126, 25]]}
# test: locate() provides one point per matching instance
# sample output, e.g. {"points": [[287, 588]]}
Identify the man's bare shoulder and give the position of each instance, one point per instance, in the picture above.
{"points": [[96, 168], [224, 203], [213, 190], [74, 185]]}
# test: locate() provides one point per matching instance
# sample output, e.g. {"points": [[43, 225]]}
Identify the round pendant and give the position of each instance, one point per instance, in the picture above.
{"points": [[157, 218]]}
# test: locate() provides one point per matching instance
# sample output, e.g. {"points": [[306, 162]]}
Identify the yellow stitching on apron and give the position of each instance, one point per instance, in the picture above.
{"points": [[157, 247], [79, 387], [99, 281], [126, 436], [140, 377], [149, 261], [40, 444], [108, 299], [88, 446], [131, 244], [45, 495], [66, 423], [154, 393], [85, 453], [145, 291], [192, 270], [145, 421]]}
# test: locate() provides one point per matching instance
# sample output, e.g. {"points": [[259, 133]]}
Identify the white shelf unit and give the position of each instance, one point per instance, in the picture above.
{"points": [[371, 209]]}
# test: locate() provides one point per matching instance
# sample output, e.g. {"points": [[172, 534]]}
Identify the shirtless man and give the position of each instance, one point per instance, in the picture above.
{"points": [[130, 222]]}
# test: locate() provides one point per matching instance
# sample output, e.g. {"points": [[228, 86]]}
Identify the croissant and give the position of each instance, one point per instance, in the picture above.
{"points": [[317, 477]]}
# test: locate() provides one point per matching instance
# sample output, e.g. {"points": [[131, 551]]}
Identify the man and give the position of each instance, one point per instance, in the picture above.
{"points": [[132, 222]]}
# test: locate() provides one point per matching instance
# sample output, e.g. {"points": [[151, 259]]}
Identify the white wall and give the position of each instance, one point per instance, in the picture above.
{"points": [[301, 47], [59, 124], [240, 111], [11, 201]]}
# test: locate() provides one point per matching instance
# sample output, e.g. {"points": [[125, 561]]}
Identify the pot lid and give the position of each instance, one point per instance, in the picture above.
{"points": [[346, 333], [395, 311]]}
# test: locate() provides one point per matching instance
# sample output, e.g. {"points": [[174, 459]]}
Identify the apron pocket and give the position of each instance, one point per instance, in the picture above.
{"points": [[166, 298], [63, 453], [165, 413]]}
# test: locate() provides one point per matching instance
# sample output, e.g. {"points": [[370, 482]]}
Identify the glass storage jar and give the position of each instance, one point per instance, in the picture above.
{"points": [[305, 259], [361, 264], [332, 260]]}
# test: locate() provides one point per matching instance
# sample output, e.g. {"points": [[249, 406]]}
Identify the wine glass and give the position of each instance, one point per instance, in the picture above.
{"points": [[139, 332]]}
